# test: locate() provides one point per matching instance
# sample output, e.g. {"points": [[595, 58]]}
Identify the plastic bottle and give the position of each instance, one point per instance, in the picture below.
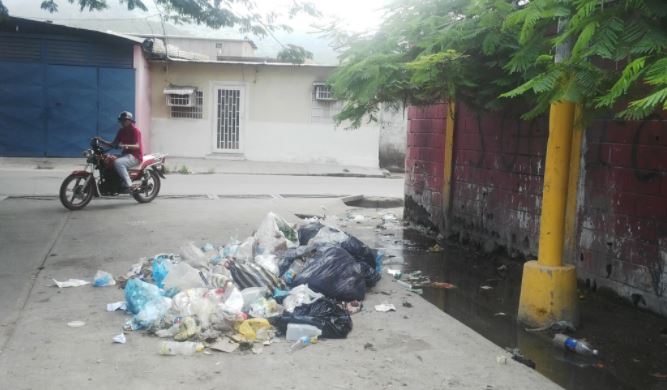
{"points": [[297, 331], [574, 345], [303, 342], [173, 348]]}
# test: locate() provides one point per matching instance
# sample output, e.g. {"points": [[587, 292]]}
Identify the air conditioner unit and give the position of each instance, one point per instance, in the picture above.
{"points": [[180, 97], [323, 92]]}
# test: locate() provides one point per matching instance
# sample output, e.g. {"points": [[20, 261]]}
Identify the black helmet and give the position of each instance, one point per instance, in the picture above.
{"points": [[125, 115]]}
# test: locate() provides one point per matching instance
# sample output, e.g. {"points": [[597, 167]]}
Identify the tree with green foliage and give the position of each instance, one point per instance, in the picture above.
{"points": [[491, 54], [243, 14], [294, 54]]}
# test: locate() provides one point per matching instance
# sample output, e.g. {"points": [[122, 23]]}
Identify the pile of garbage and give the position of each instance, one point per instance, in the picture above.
{"points": [[300, 281]]}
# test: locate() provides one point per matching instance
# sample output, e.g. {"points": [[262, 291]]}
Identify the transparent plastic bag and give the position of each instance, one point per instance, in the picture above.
{"points": [[274, 235], [191, 254], [182, 276]]}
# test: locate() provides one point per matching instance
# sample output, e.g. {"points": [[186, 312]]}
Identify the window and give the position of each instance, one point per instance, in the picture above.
{"points": [[180, 109], [323, 92]]}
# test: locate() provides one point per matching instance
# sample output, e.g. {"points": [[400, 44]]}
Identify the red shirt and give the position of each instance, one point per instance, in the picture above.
{"points": [[130, 135]]}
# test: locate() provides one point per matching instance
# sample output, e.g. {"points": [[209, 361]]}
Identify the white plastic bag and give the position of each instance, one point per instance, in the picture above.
{"points": [[300, 295], [252, 295]]}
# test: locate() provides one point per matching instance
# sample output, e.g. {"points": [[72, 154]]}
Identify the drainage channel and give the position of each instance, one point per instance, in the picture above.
{"points": [[632, 343]]}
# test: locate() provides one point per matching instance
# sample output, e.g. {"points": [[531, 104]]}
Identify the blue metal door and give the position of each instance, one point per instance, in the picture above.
{"points": [[71, 109], [22, 109], [115, 94]]}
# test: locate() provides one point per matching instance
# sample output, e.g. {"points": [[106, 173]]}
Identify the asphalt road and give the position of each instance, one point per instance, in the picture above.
{"points": [[47, 183]]}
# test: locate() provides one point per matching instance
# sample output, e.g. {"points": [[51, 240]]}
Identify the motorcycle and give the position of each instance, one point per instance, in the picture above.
{"points": [[100, 179]]}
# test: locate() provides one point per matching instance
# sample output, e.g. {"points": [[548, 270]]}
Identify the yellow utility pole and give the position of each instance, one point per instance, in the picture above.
{"points": [[549, 288]]}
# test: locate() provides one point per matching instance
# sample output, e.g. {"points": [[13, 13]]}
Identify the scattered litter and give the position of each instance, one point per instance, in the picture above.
{"points": [[485, 287], [573, 345], [501, 359], [76, 324], [517, 356], [385, 307], [122, 305], [396, 273], [120, 339], [436, 248], [444, 285], [407, 304], [353, 307], [224, 345], [303, 342], [389, 217], [103, 279], [172, 348], [558, 326], [358, 218], [71, 283], [393, 260], [369, 347]]}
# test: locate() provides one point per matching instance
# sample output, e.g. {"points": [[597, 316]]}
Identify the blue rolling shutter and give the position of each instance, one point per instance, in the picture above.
{"points": [[71, 108], [115, 94], [22, 109], [57, 91]]}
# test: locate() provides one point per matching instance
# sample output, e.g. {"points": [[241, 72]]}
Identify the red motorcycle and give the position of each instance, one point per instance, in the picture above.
{"points": [[100, 179]]}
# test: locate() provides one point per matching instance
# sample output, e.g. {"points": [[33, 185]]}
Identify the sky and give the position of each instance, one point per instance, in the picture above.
{"points": [[356, 16]]}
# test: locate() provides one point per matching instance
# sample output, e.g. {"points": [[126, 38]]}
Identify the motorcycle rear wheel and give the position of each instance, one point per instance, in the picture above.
{"points": [[149, 189], [73, 195]]}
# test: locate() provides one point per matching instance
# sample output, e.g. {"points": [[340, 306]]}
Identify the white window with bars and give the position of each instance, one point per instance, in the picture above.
{"points": [[323, 92], [179, 109]]}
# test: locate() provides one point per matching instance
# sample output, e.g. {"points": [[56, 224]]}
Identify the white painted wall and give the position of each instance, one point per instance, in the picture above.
{"points": [[281, 121], [205, 46]]}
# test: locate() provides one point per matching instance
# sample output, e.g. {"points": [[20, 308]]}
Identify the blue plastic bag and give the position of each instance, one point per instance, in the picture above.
{"points": [[139, 293]]}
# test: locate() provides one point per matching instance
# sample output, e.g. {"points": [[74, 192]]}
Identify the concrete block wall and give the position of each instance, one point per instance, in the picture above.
{"points": [[424, 169], [622, 236], [497, 180]]}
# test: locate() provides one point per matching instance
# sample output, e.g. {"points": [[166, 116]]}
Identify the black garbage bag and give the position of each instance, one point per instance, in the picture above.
{"points": [[371, 277], [308, 231], [324, 313], [334, 273], [359, 250]]}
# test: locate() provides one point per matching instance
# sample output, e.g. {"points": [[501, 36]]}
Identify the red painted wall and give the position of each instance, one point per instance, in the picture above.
{"points": [[622, 242], [424, 169], [497, 179], [496, 191]]}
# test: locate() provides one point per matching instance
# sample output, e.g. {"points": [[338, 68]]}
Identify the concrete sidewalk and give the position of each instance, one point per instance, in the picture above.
{"points": [[207, 166]]}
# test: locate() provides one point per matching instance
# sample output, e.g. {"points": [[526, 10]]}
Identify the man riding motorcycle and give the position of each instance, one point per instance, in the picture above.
{"points": [[128, 139]]}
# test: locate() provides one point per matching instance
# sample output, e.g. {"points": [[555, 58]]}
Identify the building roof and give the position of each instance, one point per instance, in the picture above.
{"points": [[197, 38], [243, 61], [13, 24]]}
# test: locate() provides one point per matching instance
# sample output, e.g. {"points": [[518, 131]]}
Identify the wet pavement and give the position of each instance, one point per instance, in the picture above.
{"points": [[632, 342]]}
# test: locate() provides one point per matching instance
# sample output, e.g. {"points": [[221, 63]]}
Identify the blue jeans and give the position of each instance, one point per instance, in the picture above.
{"points": [[122, 164]]}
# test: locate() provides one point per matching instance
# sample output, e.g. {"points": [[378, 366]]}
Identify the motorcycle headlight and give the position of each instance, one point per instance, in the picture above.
{"points": [[87, 153]]}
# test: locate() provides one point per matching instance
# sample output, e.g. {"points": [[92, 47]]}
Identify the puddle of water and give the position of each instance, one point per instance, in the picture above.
{"points": [[633, 352]]}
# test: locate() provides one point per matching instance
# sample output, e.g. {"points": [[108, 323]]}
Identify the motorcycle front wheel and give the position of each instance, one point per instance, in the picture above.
{"points": [[73, 195], [150, 187]]}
